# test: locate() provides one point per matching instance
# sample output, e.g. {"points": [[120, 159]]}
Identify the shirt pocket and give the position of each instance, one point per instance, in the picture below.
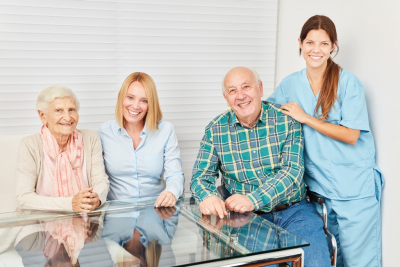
{"points": [[154, 165], [352, 180]]}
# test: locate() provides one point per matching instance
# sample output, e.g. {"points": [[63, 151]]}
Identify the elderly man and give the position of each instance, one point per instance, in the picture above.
{"points": [[259, 152]]}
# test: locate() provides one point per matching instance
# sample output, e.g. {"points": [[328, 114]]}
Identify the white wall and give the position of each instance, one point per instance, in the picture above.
{"points": [[369, 38]]}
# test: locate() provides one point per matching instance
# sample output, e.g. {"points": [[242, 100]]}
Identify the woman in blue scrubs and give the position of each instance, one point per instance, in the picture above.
{"points": [[339, 147]]}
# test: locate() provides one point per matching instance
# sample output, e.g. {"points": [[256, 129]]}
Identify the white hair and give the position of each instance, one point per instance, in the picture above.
{"points": [[49, 94], [256, 76]]}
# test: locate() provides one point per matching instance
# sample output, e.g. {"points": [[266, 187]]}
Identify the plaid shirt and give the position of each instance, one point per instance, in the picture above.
{"points": [[258, 235], [264, 163]]}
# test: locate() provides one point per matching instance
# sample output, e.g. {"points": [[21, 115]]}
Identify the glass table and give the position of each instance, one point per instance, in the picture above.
{"points": [[133, 233]]}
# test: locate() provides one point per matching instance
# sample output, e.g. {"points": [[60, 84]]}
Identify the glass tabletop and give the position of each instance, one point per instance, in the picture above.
{"points": [[133, 233]]}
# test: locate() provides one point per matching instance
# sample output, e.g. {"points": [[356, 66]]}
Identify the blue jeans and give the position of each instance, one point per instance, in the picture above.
{"points": [[302, 220]]}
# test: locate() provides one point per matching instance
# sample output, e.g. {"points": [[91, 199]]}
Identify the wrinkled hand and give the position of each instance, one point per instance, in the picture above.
{"points": [[165, 213], [95, 200], [165, 199], [85, 201], [294, 110], [213, 206], [239, 203]]}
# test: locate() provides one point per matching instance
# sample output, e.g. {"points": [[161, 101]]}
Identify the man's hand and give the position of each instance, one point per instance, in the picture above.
{"points": [[239, 203], [239, 219], [213, 206], [215, 224], [165, 199]]}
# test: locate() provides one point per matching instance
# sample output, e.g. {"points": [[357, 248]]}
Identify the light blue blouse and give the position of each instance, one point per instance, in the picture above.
{"points": [[137, 173], [334, 169]]}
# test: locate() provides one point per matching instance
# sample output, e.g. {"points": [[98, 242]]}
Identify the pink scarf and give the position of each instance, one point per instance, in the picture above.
{"points": [[70, 232], [65, 168]]}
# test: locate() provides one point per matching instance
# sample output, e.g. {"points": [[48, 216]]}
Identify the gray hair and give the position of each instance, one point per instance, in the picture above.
{"points": [[256, 76], [49, 94]]}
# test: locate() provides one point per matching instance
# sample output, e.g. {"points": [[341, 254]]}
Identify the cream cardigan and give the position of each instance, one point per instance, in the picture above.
{"points": [[29, 168]]}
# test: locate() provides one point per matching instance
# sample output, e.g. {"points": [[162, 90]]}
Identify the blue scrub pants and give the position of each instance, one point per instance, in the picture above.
{"points": [[302, 219], [356, 225]]}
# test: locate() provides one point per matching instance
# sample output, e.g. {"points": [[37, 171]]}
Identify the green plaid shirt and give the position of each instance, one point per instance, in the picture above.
{"points": [[264, 163], [257, 235]]}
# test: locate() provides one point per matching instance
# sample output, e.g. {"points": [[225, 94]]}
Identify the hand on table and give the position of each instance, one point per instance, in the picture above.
{"points": [[165, 199], [213, 206], [85, 201], [239, 203], [235, 220]]}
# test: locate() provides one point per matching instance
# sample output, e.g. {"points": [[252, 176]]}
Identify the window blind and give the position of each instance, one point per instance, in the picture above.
{"points": [[91, 46]]}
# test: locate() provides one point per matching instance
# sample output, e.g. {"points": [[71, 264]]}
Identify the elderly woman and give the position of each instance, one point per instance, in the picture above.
{"points": [[60, 168], [139, 148]]}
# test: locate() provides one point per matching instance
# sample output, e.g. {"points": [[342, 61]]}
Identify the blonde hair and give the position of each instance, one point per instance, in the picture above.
{"points": [[49, 94], [153, 253], [154, 114]]}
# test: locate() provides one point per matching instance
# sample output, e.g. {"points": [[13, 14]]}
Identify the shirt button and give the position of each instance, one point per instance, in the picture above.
{"points": [[254, 151], [251, 131], [258, 172]]}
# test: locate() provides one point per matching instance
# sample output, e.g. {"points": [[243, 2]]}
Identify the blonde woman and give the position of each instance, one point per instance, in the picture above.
{"points": [[139, 147]]}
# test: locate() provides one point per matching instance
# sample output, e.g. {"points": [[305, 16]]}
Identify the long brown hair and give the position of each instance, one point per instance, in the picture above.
{"points": [[154, 114], [328, 92]]}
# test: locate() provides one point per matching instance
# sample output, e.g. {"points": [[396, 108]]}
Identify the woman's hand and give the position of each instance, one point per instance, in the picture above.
{"points": [[85, 201], [165, 213], [166, 199], [95, 200], [294, 110]]}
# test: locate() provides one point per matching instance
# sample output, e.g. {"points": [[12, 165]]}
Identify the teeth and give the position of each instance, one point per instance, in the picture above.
{"points": [[133, 113], [315, 57], [244, 104]]}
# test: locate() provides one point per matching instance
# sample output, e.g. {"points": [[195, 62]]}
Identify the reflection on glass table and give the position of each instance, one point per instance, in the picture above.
{"points": [[133, 233]]}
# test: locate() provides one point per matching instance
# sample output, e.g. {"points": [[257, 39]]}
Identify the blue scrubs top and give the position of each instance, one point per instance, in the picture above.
{"points": [[334, 169]]}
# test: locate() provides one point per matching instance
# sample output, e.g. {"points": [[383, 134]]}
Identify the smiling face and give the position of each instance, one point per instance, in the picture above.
{"points": [[243, 94], [61, 117], [135, 104], [316, 48]]}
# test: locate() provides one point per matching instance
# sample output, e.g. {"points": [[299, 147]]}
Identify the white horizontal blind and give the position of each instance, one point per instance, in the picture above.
{"points": [[91, 46]]}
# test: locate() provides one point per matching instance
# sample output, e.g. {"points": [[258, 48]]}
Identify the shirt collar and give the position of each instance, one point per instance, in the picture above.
{"points": [[124, 132], [262, 118]]}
